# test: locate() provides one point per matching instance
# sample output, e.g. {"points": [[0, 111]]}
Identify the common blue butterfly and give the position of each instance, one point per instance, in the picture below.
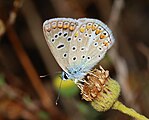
{"points": [[77, 44]]}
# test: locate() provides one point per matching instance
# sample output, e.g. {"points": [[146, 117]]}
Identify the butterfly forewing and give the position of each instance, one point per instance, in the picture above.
{"points": [[58, 33]]}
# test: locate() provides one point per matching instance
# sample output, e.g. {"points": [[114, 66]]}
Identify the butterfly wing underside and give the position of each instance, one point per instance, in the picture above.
{"points": [[58, 34], [90, 43], [77, 43]]}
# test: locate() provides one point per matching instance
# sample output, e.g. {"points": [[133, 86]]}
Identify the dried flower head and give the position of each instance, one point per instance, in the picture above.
{"points": [[100, 89]]}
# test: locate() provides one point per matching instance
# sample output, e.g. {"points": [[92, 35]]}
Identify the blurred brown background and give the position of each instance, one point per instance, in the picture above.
{"points": [[24, 56]]}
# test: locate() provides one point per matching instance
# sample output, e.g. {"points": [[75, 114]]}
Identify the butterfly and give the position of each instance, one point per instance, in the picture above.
{"points": [[77, 44]]}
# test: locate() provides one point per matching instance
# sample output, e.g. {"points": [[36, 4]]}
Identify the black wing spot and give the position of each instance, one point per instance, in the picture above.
{"points": [[105, 33], [60, 34], [61, 46], [99, 48], [56, 36], [69, 39], [83, 56], [65, 55], [88, 57], [73, 48], [65, 34], [95, 43], [74, 58], [52, 40], [82, 49], [86, 34], [79, 39]]}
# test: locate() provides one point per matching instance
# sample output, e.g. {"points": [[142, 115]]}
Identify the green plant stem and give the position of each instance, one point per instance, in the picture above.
{"points": [[129, 111]]}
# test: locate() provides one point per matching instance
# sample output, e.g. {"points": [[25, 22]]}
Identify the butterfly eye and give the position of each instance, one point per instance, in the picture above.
{"points": [[66, 25], [104, 35], [60, 24], [98, 30], [89, 25], [82, 29], [65, 76], [54, 24]]}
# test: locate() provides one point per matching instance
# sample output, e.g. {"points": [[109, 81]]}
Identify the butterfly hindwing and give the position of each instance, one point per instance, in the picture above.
{"points": [[91, 40]]}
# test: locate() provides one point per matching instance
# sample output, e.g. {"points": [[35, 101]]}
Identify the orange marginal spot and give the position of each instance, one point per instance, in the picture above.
{"points": [[72, 27], [82, 29], [89, 25], [54, 24], [47, 28], [102, 36], [97, 31], [60, 24], [66, 25], [94, 27], [106, 43]]}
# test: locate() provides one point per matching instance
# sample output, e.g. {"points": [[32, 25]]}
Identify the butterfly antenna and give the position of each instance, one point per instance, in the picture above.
{"points": [[57, 99], [42, 76]]}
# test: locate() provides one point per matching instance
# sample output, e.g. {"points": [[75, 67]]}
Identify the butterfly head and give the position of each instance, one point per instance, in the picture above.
{"points": [[65, 76]]}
